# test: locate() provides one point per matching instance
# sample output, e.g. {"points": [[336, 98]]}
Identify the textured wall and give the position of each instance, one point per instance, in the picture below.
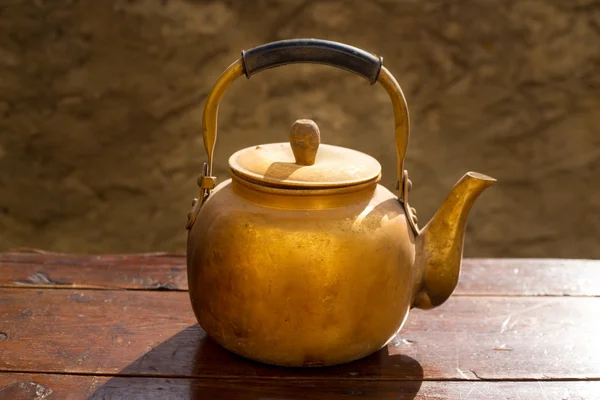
{"points": [[100, 109]]}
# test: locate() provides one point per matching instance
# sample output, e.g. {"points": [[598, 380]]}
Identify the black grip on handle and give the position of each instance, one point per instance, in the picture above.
{"points": [[316, 51]]}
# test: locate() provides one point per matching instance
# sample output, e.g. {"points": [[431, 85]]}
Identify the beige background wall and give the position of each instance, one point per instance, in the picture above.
{"points": [[100, 109]]}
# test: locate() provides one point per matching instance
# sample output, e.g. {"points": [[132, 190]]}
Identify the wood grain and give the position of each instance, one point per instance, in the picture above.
{"points": [[70, 387], [138, 271], [519, 277], [50, 258], [529, 277], [155, 334]]}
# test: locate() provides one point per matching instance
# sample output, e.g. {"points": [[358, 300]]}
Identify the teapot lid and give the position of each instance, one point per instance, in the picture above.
{"points": [[304, 162]]}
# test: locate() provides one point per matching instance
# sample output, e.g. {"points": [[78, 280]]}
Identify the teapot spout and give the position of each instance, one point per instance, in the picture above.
{"points": [[439, 246]]}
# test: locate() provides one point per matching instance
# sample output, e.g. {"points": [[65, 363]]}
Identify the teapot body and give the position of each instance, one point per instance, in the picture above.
{"points": [[298, 279], [302, 259]]}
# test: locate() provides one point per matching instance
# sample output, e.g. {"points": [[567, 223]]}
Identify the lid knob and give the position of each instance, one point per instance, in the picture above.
{"points": [[304, 140]]}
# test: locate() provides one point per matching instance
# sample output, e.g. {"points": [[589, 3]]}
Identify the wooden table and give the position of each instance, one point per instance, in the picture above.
{"points": [[116, 326]]}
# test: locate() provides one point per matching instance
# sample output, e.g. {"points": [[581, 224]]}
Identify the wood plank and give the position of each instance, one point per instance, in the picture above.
{"points": [[50, 258], [137, 271], [529, 277], [497, 277], [48, 387], [155, 333]]}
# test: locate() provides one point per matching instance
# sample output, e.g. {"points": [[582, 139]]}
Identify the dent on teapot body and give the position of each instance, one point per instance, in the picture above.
{"points": [[296, 286], [315, 272]]}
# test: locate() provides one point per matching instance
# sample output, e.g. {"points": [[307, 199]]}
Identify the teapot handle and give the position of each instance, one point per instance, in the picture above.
{"points": [[317, 51]]}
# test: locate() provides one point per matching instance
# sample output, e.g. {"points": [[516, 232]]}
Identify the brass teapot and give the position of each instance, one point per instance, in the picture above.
{"points": [[301, 258]]}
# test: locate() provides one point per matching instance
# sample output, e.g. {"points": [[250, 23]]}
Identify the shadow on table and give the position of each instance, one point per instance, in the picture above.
{"points": [[168, 371]]}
